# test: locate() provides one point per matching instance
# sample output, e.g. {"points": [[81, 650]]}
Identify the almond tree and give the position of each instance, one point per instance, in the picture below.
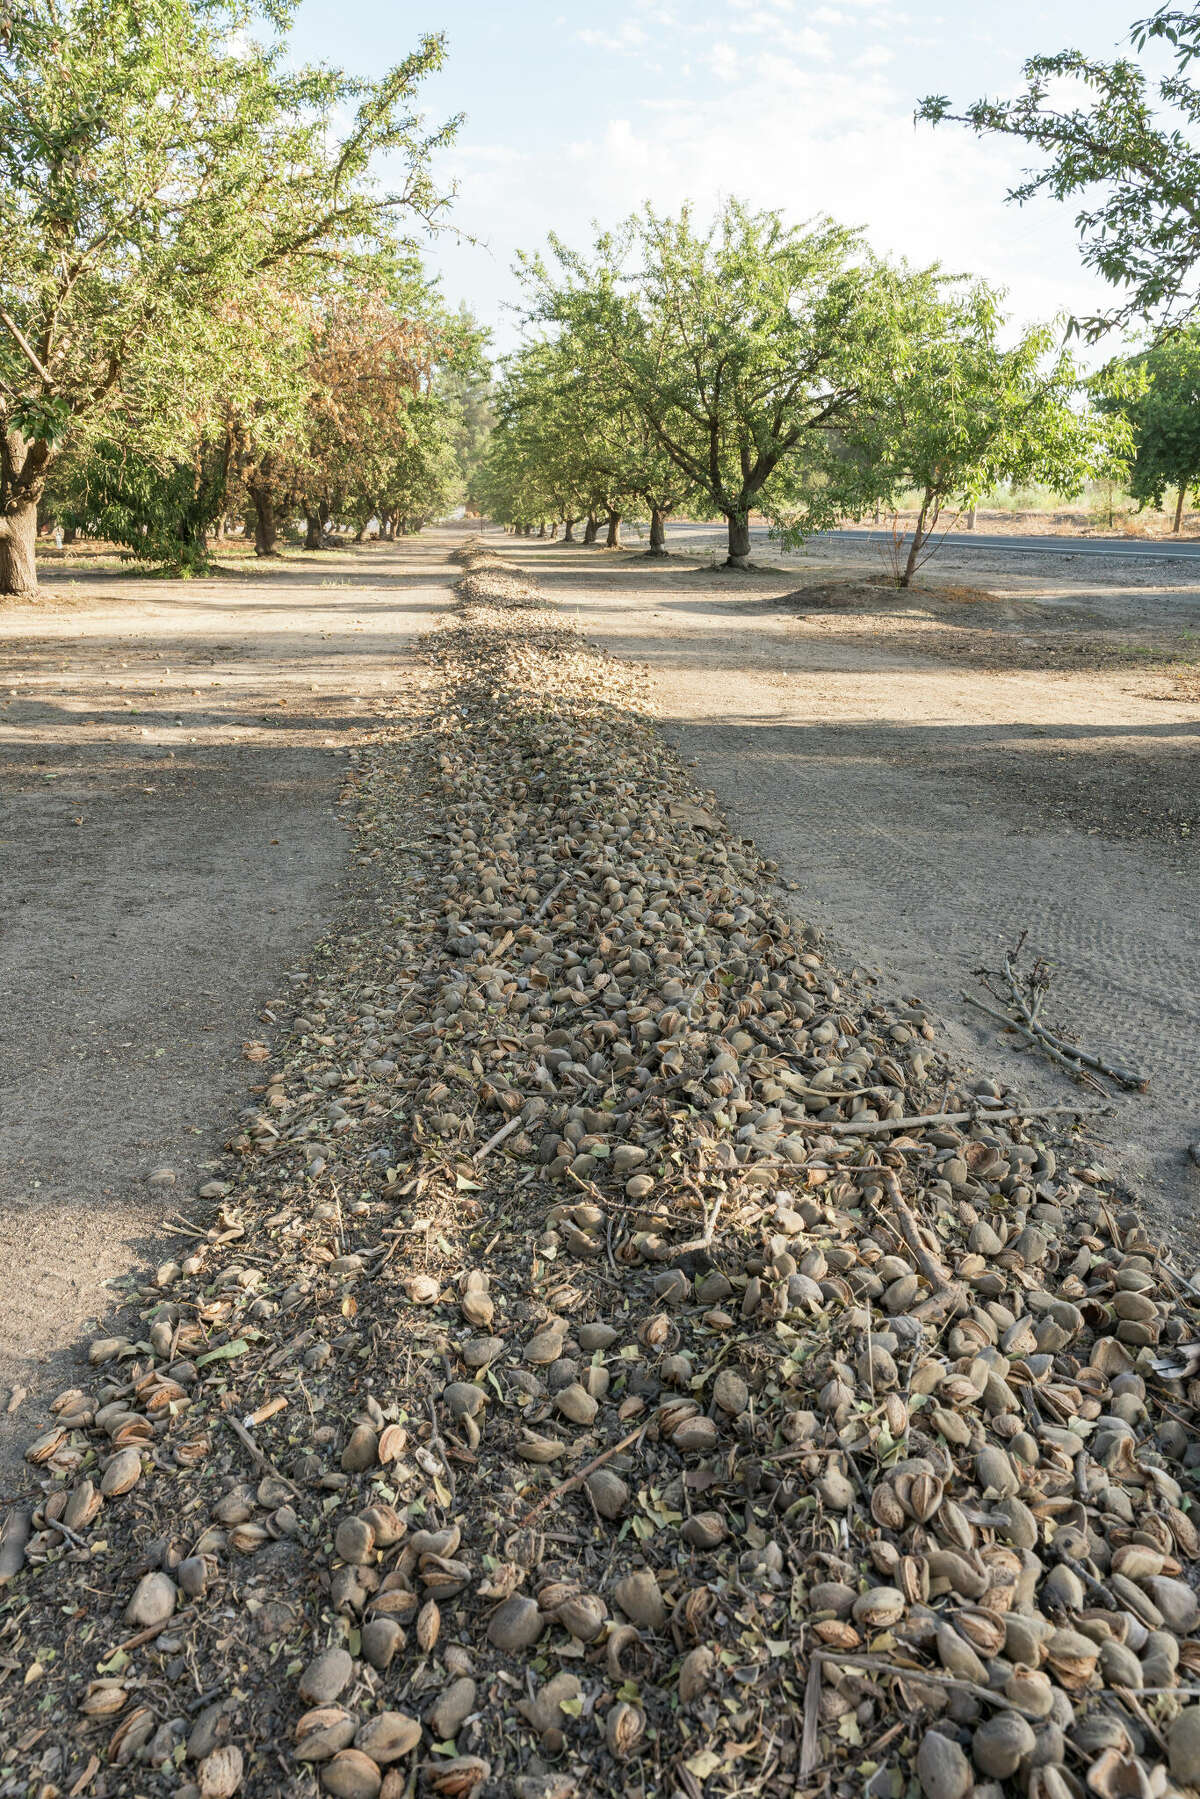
{"points": [[1122, 144], [958, 410], [736, 346], [154, 161], [1157, 394]]}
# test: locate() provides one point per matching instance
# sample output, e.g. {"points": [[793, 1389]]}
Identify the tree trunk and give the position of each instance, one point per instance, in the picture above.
{"points": [[219, 529], [542, 529], [1177, 527], [70, 533], [266, 525], [592, 529], [312, 531], [18, 560], [361, 533], [914, 549], [568, 530], [613, 540], [658, 532], [970, 518], [739, 540], [926, 522]]}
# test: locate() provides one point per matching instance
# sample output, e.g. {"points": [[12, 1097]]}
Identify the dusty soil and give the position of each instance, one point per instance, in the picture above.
{"points": [[171, 758], [937, 772], [941, 771]]}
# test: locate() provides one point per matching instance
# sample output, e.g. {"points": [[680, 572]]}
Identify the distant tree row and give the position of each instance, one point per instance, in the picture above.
{"points": [[760, 367], [208, 302]]}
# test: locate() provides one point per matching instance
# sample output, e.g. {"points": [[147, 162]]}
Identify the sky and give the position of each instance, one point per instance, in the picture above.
{"points": [[575, 116]]}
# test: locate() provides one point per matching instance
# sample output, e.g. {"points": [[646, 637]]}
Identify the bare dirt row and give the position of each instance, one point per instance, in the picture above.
{"points": [[172, 761], [626, 1356]]}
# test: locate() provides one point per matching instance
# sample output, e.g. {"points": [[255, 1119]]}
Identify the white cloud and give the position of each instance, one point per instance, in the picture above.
{"points": [[808, 117], [627, 36], [722, 61]]}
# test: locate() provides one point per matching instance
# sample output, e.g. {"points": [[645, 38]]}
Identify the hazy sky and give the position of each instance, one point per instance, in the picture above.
{"points": [[575, 115]]}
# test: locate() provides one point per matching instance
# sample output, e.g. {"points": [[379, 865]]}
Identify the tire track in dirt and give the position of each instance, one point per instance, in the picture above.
{"points": [[942, 887]]}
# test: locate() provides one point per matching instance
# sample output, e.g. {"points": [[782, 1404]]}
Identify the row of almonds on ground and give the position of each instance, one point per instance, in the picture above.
{"points": [[624, 1356]]}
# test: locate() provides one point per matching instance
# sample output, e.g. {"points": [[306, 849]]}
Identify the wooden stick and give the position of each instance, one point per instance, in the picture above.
{"points": [[879, 1664], [927, 1262], [1056, 1046], [878, 1126], [151, 1631], [497, 1137], [577, 1480], [272, 1406], [710, 1225], [549, 899], [1034, 1036], [262, 1462]]}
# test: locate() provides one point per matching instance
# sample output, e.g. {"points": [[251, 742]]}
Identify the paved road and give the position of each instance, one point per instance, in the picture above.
{"points": [[1137, 548]]}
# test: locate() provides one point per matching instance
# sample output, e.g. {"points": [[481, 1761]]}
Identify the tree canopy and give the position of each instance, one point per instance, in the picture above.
{"points": [[161, 170], [786, 370], [1124, 145], [732, 345], [1156, 393], [963, 411]]}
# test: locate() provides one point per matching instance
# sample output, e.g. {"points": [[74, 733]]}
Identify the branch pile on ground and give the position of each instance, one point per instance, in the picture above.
{"points": [[611, 1368]]}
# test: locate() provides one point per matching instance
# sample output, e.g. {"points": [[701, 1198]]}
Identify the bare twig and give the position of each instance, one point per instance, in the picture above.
{"points": [[549, 899], [262, 1462], [576, 1480], [872, 1127], [1028, 1001], [497, 1137]]}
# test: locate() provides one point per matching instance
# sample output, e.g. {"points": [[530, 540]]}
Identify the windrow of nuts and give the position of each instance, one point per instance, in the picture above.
{"points": [[623, 1394]]}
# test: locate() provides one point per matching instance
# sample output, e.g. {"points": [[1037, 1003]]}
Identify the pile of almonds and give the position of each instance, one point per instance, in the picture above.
{"points": [[625, 1357]]}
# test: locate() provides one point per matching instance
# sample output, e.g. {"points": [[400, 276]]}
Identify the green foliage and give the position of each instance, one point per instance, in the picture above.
{"points": [[1125, 148], [1157, 394], [736, 356], [424, 480], [158, 515], [958, 411], [172, 194], [466, 389]]}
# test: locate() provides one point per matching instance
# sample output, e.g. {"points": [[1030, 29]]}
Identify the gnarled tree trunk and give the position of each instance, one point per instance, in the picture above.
{"points": [[266, 525], [739, 540], [568, 530], [658, 532], [18, 536], [592, 529], [613, 539], [312, 531]]}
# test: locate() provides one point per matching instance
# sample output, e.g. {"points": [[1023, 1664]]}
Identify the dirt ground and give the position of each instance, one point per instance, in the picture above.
{"points": [[939, 772], [171, 758], [936, 773]]}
